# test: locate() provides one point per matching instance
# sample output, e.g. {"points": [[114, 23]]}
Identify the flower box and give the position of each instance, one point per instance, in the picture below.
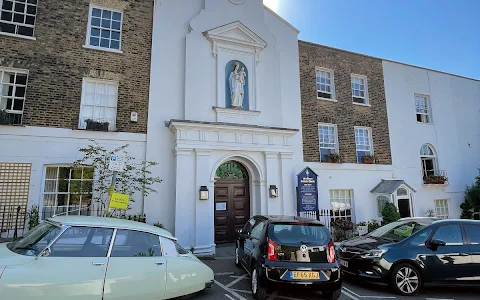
{"points": [[368, 159], [435, 179], [97, 125], [332, 158]]}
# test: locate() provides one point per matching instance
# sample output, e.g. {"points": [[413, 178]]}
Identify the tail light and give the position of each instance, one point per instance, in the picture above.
{"points": [[331, 252], [272, 250]]}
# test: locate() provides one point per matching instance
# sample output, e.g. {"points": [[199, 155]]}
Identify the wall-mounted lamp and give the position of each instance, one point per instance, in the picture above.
{"points": [[203, 193], [273, 191]]}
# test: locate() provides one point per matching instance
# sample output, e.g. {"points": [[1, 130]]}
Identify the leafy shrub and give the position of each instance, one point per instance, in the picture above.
{"points": [[390, 214]]}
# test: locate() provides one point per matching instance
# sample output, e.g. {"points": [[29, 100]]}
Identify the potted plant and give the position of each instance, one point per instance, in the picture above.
{"points": [[332, 158], [97, 125], [373, 225], [435, 179], [368, 159], [362, 228]]}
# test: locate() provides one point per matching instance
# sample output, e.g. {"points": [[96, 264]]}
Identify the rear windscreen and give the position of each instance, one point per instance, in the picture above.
{"points": [[294, 234]]}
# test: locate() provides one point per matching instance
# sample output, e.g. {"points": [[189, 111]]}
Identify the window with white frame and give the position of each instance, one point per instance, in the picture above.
{"points": [[99, 104], [327, 136], [429, 161], [381, 202], [441, 208], [422, 107], [17, 17], [363, 142], [13, 88], [67, 190], [104, 28], [359, 89], [341, 203], [324, 83]]}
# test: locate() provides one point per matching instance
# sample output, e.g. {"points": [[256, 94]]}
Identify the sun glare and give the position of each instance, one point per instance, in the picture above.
{"points": [[272, 4]]}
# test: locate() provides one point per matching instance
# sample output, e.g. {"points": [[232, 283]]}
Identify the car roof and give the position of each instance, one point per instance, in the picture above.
{"points": [[466, 221], [421, 220], [111, 223], [282, 218]]}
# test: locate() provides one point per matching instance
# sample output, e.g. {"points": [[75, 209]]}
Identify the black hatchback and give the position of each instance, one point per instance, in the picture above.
{"points": [[411, 252], [286, 251]]}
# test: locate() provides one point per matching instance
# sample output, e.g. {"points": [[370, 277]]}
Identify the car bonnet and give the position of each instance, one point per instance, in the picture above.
{"points": [[10, 258]]}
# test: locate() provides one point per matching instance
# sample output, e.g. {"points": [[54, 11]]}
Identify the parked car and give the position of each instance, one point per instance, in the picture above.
{"points": [[287, 251], [95, 258], [414, 251]]}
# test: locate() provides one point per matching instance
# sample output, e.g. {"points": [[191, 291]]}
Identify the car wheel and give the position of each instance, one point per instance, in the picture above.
{"points": [[405, 279], [237, 258], [333, 295], [259, 292]]}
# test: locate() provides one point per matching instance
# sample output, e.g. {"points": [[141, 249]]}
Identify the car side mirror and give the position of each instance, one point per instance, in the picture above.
{"points": [[437, 242], [46, 252]]}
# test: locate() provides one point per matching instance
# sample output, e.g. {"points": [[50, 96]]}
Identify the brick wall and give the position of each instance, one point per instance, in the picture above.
{"points": [[343, 113], [57, 62]]}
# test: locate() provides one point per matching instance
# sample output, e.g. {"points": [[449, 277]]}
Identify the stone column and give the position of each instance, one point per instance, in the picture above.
{"points": [[185, 197], [288, 190], [204, 213]]}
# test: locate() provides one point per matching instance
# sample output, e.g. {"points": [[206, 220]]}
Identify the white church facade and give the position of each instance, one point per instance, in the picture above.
{"points": [[224, 118]]}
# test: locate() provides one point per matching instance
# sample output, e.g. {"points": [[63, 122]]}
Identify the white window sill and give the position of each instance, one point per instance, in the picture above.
{"points": [[223, 110], [31, 38], [425, 123], [327, 99], [362, 104], [102, 49]]}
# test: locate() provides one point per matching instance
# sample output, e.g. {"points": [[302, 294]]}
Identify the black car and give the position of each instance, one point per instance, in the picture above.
{"points": [[411, 252], [286, 251]]}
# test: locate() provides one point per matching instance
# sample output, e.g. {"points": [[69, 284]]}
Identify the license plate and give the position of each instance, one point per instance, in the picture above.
{"points": [[305, 275], [343, 263]]}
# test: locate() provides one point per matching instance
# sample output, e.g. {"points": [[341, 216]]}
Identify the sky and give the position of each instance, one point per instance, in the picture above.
{"points": [[442, 35]]}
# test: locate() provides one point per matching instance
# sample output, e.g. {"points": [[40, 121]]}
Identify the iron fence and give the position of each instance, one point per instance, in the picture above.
{"points": [[12, 221], [341, 229]]}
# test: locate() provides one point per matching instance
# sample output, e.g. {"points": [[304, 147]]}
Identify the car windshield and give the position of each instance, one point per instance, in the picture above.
{"points": [[300, 233], [37, 239], [397, 231]]}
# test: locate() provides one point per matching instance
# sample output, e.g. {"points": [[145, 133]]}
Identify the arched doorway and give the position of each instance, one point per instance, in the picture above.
{"points": [[232, 200]]}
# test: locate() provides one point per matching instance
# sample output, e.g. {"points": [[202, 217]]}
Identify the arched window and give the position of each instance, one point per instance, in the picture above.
{"points": [[429, 161], [381, 202]]}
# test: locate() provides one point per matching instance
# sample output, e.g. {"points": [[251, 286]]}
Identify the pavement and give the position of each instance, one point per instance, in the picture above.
{"points": [[232, 283]]}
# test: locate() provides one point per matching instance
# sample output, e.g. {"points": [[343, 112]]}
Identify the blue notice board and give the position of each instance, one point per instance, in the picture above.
{"points": [[307, 199]]}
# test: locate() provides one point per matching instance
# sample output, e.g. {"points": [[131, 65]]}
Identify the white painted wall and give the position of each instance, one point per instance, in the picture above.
{"points": [[43, 146], [184, 86], [358, 178], [455, 132]]}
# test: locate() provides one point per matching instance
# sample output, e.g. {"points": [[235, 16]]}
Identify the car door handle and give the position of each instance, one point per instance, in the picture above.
{"points": [[463, 254], [98, 263], [159, 263]]}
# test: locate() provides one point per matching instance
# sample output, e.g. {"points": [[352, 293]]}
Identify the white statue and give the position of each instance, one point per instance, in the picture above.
{"points": [[237, 82]]}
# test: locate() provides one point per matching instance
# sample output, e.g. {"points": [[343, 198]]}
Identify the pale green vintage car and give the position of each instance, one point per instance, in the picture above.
{"points": [[93, 258]]}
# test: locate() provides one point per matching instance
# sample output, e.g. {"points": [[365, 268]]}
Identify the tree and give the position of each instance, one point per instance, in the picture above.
{"points": [[390, 214], [135, 179], [472, 199]]}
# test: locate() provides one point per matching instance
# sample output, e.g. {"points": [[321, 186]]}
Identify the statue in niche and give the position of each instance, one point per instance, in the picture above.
{"points": [[237, 82]]}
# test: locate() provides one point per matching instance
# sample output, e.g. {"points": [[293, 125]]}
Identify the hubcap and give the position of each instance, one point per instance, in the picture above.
{"points": [[254, 282], [407, 280]]}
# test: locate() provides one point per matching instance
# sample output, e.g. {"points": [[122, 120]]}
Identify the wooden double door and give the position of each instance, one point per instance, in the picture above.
{"points": [[232, 208]]}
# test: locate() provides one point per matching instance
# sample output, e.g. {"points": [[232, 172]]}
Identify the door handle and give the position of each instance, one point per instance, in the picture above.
{"points": [[463, 254], [98, 263], [159, 263]]}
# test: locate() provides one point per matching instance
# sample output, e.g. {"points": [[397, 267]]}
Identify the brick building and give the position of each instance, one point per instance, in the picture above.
{"points": [[344, 112], [70, 71]]}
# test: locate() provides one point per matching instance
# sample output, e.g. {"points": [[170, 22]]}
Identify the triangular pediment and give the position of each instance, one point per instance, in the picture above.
{"points": [[236, 33]]}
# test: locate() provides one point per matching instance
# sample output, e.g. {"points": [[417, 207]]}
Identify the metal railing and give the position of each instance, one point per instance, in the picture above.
{"points": [[12, 221], [434, 176]]}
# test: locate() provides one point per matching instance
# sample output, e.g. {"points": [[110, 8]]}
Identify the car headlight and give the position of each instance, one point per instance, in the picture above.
{"points": [[377, 253]]}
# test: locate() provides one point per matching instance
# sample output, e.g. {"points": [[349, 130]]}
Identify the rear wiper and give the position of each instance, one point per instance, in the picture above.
{"points": [[304, 242]]}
